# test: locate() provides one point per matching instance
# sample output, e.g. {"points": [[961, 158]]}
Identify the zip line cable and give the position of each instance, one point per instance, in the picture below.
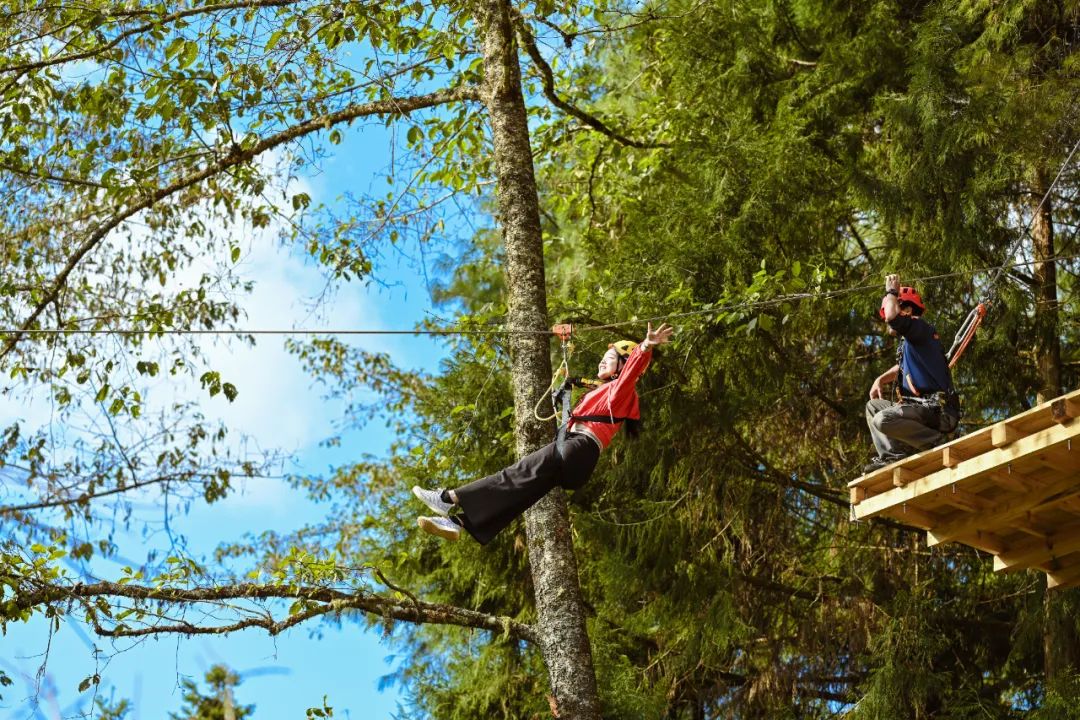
{"points": [[967, 329], [715, 310], [1035, 215]]}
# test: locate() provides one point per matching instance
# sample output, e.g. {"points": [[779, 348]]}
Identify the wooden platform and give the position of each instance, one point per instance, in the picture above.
{"points": [[1011, 489]]}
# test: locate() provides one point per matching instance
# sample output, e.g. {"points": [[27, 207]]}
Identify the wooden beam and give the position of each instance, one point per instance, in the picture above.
{"points": [[858, 494], [1011, 480], [1063, 542], [901, 476], [978, 466], [918, 517], [1063, 578], [952, 456], [1004, 434], [1004, 511], [985, 541], [964, 499], [1027, 527], [1065, 409]]}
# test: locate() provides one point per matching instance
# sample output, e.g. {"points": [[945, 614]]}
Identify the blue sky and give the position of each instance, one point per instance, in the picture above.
{"points": [[277, 407]]}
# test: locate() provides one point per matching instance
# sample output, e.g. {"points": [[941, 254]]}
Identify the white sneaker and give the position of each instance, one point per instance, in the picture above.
{"points": [[433, 499], [440, 526]]}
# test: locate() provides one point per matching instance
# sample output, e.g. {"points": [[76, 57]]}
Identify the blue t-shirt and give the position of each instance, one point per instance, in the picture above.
{"points": [[923, 367]]}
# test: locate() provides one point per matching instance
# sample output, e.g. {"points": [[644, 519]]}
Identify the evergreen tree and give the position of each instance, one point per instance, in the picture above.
{"points": [[217, 703]]}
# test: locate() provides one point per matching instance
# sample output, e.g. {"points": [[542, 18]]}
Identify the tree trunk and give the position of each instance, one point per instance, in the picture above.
{"points": [[1061, 644], [563, 639], [1047, 336]]}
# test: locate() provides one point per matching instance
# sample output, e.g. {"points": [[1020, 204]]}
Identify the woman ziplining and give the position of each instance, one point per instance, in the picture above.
{"points": [[486, 506]]}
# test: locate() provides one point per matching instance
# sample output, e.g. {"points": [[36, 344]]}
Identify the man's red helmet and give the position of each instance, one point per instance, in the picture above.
{"points": [[907, 295]]}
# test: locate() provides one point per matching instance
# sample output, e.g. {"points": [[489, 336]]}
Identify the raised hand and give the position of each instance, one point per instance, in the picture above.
{"points": [[660, 335]]}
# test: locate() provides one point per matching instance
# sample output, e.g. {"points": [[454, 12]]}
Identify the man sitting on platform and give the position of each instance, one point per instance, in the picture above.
{"points": [[929, 408]]}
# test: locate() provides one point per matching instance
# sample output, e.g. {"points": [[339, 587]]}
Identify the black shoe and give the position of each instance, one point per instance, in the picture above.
{"points": [[881, 461]]}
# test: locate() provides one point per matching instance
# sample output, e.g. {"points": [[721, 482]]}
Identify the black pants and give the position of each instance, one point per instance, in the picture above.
{"points": [[490, 504]]}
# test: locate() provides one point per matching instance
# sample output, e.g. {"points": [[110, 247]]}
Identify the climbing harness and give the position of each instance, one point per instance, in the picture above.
{"points": [[562, 386]]}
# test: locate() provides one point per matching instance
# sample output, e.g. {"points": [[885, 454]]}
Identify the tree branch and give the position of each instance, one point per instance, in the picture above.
{"points": [[86, 497], [236, 157], [548, 80], [24, 68], [331, 601]]}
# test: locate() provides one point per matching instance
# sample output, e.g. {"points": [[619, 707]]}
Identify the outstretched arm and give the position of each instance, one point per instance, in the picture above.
{"points": [[639, 358], [891, 302]]}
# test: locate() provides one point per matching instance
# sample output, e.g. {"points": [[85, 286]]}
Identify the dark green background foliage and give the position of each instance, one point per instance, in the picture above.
{"points": [[813, 146]]}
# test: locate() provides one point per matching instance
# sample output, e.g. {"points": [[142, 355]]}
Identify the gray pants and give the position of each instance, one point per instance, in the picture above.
{"points": [[904, 428]]}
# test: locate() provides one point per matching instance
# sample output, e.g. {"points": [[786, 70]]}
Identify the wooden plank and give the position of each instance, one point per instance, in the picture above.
{"points": [[1002, 512], [901, 476], [1004, 434], [1062, 459], [869, 479], [1064, 409], [976, 467], [1063, 542], [973, 443], [858, 494]]}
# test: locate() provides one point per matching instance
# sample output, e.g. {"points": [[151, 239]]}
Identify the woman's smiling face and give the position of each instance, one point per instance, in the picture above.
{"points": [[609, 364]]}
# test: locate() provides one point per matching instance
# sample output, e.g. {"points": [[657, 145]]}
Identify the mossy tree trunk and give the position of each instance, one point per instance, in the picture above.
{"points": [[563, 639]]}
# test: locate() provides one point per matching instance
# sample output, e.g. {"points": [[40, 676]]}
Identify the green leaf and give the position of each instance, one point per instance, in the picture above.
{"points": [[191, 52], [275, 38], [88, 681]]}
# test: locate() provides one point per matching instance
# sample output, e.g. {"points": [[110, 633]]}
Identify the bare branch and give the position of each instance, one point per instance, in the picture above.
{"points": [[24, 68], [548, 79], [85, 497], [330, 601]]}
